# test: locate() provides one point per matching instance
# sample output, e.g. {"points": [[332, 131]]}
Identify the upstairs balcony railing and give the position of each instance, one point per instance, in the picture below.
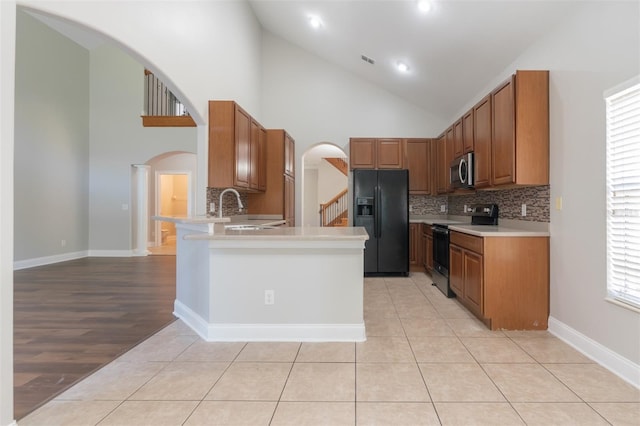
{"points": [[161, 107]]}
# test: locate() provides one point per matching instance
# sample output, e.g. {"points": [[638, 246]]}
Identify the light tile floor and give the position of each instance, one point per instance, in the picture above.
{"points": [[426, 361]]}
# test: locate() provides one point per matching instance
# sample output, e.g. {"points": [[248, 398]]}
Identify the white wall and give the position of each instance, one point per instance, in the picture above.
{"points": [[330, 181], [51, 143], [315, 101], [201, 50], [118, 140]]}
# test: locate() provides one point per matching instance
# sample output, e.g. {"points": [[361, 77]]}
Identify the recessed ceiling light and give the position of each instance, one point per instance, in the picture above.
{"points": [[424, 6], [315, 21], [402, 67]]}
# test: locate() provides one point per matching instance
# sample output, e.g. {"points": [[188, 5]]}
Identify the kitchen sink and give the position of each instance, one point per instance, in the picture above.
{"points": [[245, 227]]}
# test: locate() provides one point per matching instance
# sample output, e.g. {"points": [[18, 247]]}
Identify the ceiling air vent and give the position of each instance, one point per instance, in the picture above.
{"points": [[368, 59]]}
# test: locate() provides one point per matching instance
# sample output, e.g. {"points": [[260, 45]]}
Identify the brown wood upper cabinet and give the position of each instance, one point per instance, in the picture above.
{"points": [[520, 130], [442, 167], [482, 143], [467, 132], [374, 153], [418, 162], [458, 143], [235, 158], [279, 197]]}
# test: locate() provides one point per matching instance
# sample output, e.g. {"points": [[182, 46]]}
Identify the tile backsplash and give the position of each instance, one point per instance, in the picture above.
{"points": [[229, 202], [509, 203]]}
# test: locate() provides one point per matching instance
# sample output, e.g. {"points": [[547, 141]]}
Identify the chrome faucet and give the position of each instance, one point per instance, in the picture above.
{"points": [[240, 206]]}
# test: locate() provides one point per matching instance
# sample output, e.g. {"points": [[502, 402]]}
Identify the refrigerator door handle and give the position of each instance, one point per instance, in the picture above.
{"points": [[379, 212]]}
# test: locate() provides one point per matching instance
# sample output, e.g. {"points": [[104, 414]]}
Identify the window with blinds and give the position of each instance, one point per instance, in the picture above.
{"points": [[623, 193]]}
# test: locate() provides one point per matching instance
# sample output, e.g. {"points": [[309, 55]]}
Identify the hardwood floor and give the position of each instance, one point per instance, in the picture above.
{"points": [[73, 317]]}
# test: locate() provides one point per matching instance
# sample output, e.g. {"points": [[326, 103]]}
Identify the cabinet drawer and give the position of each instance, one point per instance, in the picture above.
{"points": [[467, 241]]}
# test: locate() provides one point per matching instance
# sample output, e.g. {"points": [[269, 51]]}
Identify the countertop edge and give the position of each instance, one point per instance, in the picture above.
{"points": [[497, 231]]}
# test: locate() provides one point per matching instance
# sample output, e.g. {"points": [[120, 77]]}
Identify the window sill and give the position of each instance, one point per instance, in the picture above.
{"points": [[622, 304]]}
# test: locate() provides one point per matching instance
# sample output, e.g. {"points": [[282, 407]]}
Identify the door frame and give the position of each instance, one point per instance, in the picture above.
{"points": [[158, 192]]}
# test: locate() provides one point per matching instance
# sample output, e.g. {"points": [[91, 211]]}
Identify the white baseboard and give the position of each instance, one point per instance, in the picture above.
{"points": [[269, 332], [111, 253], [48, 260], [617, 364]]}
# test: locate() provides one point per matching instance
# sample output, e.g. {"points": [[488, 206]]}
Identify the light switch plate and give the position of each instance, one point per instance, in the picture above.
{"points": [[558, 203], [524, 210]]}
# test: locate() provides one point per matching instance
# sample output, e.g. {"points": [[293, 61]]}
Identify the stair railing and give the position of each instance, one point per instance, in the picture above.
{"points": [[334, 210]]}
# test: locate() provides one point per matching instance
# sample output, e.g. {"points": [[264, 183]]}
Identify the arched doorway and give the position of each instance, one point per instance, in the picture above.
{"points": [[170, 193], [324, 181]]}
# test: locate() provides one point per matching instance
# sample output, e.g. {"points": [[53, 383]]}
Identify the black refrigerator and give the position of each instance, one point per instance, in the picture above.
{"points": [[380, 200]]}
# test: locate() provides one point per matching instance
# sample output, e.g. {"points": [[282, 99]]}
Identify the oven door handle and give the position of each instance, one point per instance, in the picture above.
{"points": [[440, 230]]}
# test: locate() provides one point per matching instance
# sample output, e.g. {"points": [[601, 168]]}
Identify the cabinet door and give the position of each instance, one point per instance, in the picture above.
{"points": [[423, 261], [429, 253], [482, 142], [503, 143], [254, 150], [418, 159], [442, 170], [467, 131], [243, 148], [414, 244], [473, 281], [289, 200], [456, 273], [390, 154], [458, 144], [262, 164], [289, 155], [449, 149], [362, 153]]}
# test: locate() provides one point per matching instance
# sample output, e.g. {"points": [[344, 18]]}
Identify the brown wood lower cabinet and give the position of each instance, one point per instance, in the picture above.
{"points": [[415, 246], [504, 281], [427, 247]]}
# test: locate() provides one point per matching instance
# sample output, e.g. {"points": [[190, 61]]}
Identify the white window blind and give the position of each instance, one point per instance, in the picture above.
{"points": [[623, 195]]}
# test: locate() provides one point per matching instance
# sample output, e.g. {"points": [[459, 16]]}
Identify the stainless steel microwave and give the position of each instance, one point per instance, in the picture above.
{"points": [[461, 171]]}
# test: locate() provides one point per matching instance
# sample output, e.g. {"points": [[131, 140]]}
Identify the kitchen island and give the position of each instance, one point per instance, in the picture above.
{"points": [[277, 284]]}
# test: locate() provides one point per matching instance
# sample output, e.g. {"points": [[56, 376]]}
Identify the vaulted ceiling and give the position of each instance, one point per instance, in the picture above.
{"points": [[452, 52]]}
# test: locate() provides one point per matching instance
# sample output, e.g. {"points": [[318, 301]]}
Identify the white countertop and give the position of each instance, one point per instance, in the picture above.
{"points": [[506, 228], [497, 231], [311, 233]]}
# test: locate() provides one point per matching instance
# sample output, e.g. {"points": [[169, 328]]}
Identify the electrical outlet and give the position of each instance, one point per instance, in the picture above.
{"points": [[212, 207], [63, 243], [125, 207], [465, 209], [524, 210], [410, 208], [269, 297], [442, 208], [558, 203]]}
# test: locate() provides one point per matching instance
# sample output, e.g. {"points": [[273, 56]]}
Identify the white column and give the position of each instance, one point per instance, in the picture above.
{"points": [[141, 215], [7, 100]]}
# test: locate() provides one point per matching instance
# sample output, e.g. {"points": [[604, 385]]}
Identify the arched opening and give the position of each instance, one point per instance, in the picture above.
{"points": [[324, 186], [170, 193]]}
